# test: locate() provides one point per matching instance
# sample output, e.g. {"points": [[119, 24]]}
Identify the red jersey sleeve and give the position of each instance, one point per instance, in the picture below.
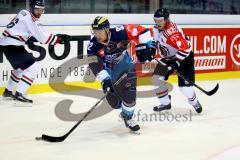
{"points": [[133, 31]]}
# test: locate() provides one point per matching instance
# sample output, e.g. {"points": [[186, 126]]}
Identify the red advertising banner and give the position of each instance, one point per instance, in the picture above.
{"points": [[215, 49]]}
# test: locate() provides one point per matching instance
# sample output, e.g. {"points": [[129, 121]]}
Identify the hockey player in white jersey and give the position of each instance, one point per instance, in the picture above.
{"points": [[176, 52], [23, 28]]}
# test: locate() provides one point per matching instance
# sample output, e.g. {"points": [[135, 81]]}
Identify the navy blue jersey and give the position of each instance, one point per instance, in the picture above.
{"points": [[116, 45], [111, 52]]}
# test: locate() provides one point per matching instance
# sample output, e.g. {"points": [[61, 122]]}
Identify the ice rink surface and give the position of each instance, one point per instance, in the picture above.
{"points": [[212, 135]]}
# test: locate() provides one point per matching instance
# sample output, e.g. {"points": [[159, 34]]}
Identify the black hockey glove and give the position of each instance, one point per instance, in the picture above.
{"points": [[107, 85], [144, 52], [64, 38]]}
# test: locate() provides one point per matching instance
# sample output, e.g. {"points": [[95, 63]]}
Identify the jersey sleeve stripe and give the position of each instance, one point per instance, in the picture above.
{"points": [[164, 34], [175, 27], [53, 38], [4, 34], [49, 39], [8, 34], [21, 38]]}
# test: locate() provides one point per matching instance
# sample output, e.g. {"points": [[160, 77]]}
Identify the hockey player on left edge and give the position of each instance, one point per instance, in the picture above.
{"points": [[25, 28], [110, 46]]}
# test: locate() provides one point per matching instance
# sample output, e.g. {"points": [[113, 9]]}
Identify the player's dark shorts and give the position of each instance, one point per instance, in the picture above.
{"points": [[187, 69], [18, 56]]}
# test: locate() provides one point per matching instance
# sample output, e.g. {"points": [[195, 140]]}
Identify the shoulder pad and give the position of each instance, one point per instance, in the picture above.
{"points": [[23, 12]]}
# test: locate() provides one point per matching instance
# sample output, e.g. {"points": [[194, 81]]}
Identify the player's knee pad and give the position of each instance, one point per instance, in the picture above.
{"points": [[113, 100], [160, 86]]}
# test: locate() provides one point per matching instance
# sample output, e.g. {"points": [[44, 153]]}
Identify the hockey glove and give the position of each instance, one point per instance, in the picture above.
{"points": [[107, 85], [64, 38], [144, 52]]}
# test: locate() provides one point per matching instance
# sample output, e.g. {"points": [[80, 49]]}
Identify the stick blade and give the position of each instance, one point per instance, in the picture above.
{"points": [[213, 91], [52, 139]]}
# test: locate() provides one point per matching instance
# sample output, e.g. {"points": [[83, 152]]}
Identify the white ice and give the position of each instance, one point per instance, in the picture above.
{"points": [[212, 135]]}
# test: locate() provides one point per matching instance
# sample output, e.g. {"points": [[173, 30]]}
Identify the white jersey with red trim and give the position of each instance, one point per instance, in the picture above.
{"points": [[23, 26], [171, 42]]}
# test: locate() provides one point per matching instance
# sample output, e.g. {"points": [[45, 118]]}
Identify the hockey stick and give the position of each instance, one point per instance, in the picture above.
{"points": [[209, 93], [48, 138]]}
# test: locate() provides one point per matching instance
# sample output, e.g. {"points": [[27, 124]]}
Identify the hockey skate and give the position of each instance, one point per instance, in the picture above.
{"points": [[198, 107], [129, 122], [7, 95], [162, 107], [20, 99]]}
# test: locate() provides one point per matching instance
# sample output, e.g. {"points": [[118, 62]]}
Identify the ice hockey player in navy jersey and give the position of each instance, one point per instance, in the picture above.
{"points": [[176, 52], [24, 28], [114, 67]]}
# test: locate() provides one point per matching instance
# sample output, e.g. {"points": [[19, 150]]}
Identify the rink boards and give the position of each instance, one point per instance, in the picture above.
{"points": [[216, 48]]}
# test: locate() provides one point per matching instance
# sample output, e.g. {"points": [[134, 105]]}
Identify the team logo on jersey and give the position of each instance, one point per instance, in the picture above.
{"points": [[164, 51], [134, 32], [235, 49]]}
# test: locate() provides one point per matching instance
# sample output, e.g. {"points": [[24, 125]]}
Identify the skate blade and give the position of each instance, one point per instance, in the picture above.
{"points": [[6, 102], [135, 132], [21, 104], [6, 98]]}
